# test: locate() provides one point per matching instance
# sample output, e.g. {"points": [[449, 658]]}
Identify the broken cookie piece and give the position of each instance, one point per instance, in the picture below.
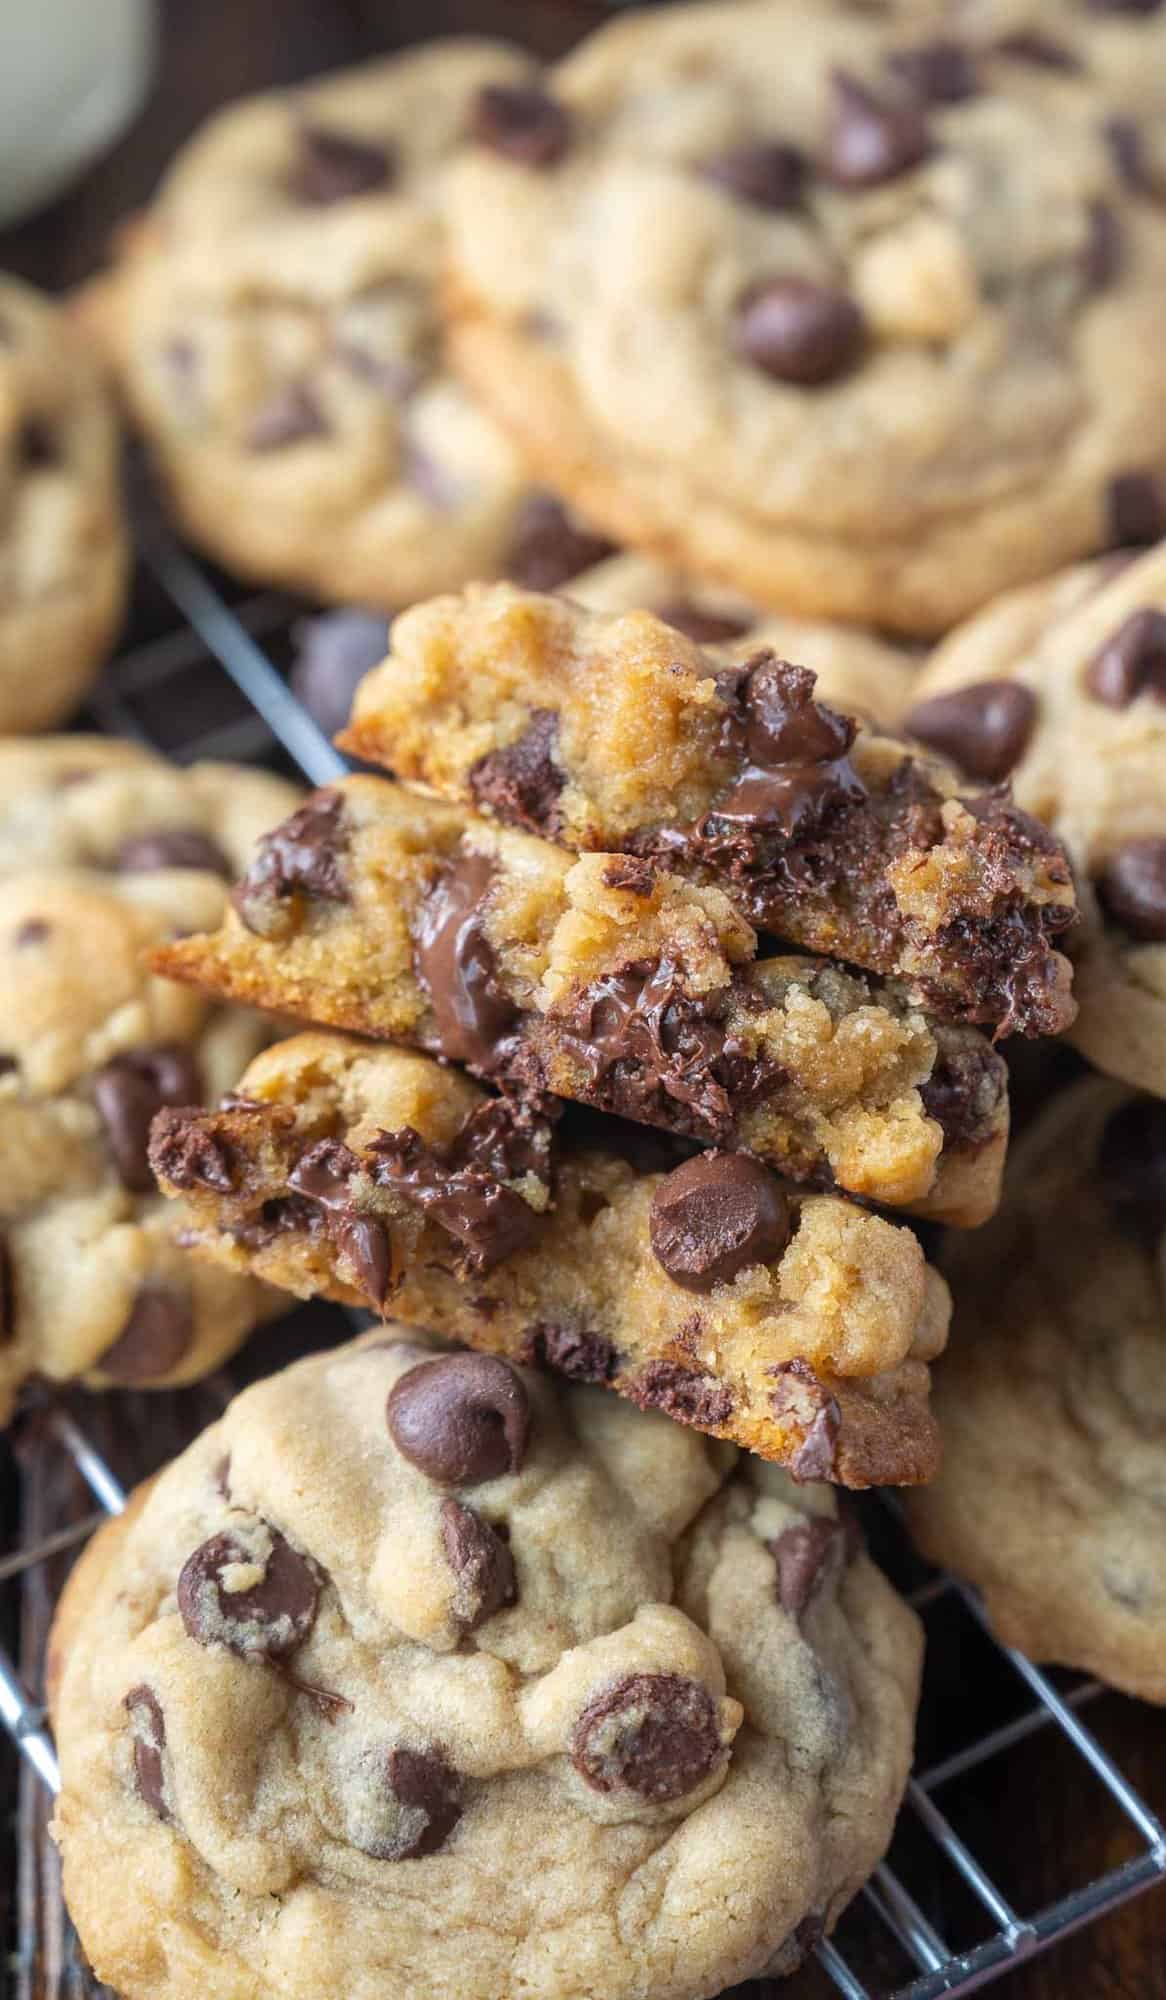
{"points": [[797, 1325]]}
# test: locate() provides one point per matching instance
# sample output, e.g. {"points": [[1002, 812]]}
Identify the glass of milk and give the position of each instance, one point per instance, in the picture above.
{"points": [[72, 75]]}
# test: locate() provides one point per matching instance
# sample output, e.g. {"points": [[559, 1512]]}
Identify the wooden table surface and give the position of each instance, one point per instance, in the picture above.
{"points": [[1033, 1815]]}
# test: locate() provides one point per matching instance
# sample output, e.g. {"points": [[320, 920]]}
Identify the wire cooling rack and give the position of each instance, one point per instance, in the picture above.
{"points": [[1002, 1745]]}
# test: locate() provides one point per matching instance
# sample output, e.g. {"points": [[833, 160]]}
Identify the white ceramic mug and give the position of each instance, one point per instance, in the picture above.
{"points": [[72, 75]]}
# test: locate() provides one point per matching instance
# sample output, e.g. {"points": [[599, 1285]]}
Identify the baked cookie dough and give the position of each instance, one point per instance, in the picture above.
{"points": [[405, 1622], [603, 979], [63, 553], [1052, 1402], [805, 299], [1062, 689], [797, 1325], [618, 732]]}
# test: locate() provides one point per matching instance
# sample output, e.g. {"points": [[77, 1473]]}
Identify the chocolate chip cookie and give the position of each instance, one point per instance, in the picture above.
{"points": [[1061, 688], [1052, 1402], [609, 981], [619, 732], [103, 853], [406, 1619], [798, 1325], [813, 305], [63, 556]]}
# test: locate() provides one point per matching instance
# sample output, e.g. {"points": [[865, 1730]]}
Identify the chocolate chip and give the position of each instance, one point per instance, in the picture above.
{"points": [[323, 1176], [185, 1155], [652, 1734], [155, 1338], [33, 930], [461, 1419], [687, 1395], [1131, 662], [804, 1555], [550, 545], [783, 724], [801, 1397], [8, 1064], [332, 166], [764, 174], [521, 123], [1132, 889], [871, 139], [148, 1729], [1101, 255], [705, 628], [633, 876], [365, 1243], [1038, 50], [462, 1186], [521, 783], [938, 72], [1135, 510], [964, 1091], [335, 652], [1128, 153], [303, 856], [797, 331], [270, 1617], [129, 1091], [38, 445], [172, 847], [423, 1784], [984, 729], [481, 1562], [7, 1291], [289, 416], [1131, 1162], [581, 1357], [457, 967], [714, 1216]]}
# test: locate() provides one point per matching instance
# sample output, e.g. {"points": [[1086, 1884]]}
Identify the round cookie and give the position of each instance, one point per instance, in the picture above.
{"points": [[63, 553], [809, 302], [274, 327], [404, 1620], [1051, 1397], [105, 851], [1061, 689]]}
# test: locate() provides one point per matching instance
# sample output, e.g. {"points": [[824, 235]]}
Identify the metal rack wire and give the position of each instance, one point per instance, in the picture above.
{"points": [[892, 1945]]}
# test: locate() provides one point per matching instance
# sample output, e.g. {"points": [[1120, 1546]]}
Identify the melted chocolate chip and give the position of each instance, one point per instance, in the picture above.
{"points": [[1132, 888], [964, 1092], [335, 652], [871, 139], [1135, 510], [652, 1734], [800, 1396], [581, 1357], [333, 166], [798, 331], [365, 1243], [148, 1729], [129, 1091], [783, 724], [1131, 1162], [522, 124], [302, 857], [321, 1178], [267, 1618], [764, 174], [185, 1156], [1131, 662], [423, 1783], [706, 628], [1101, 256], [290, 415], [1128, 152], [456, 966], [685, 1394], [521, 783], [172, 847], [984, 729], [155, 1338], [716, 1215], [804, 1555], [487, 1220], [550, 546], [938, 72], [481, 1562], [1026, 46], [461, 1419]]}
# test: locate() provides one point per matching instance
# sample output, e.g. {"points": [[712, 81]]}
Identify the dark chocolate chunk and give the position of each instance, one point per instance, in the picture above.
{"points": [[716, 1215], [800, 1396], [172, 847], [652, 1734], [333, 166], [521, 123], [455, 963], [984, 728], [580, 1356], [290, 415], [804, 1555], [1131, 662], [798, 331], [148, 1730], [766, 174], [938, 72], [964, 1091], [462, 1186], [1128, 152], [269, 1618], [481, 1562], [423, 1782], [1136, 513], [155, 1338], [334, 653], [706, 628], [521, 783], [550, 546], [1132, 889], [871, 139], [1131, 1161], [185, 1156], [129, 1091], [783, 724], [687, 1395], [461, 1419], [1040, 51], [1102, 251], [301, 857]]}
